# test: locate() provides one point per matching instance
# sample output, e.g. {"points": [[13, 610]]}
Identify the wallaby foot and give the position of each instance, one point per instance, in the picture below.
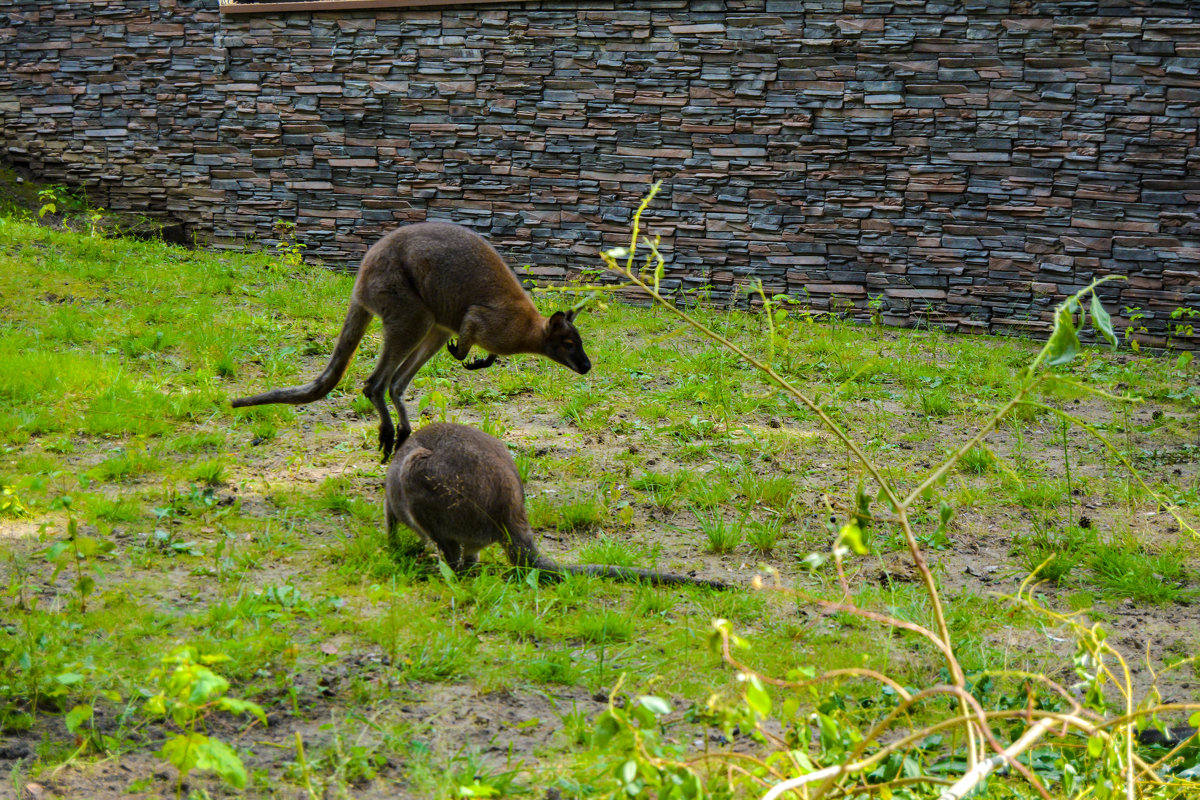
{"points": [[402, 436], [390, 442], [387, 443], [481, 363]]}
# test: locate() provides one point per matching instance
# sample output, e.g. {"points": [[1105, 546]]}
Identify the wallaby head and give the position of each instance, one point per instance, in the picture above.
{"points": [[460, 490], [563, 343]]}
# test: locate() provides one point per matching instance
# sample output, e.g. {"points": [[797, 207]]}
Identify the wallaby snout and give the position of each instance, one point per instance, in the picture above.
{"points": [[571, 357]]}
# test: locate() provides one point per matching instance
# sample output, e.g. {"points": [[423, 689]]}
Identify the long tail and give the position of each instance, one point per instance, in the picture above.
{"points": [[628, 574], [357, 320]]}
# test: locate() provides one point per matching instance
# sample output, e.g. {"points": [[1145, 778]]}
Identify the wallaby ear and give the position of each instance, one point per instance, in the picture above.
{"points": [[570, 315], [557, 320]]}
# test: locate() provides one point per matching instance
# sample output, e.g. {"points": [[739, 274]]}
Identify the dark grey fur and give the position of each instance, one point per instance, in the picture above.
{"points": [[458, 488]]}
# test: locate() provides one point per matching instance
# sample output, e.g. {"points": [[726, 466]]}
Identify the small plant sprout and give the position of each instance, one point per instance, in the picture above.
{"points": [[77, 551], [10, 503], [189, 692], [288, 249], [50, 197]]}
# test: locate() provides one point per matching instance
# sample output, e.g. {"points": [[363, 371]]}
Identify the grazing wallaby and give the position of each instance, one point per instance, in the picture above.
{"points": [[426, 283], [458, 488]]}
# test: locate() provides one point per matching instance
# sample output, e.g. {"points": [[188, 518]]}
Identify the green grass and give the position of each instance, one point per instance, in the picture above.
{"points": [[764, 535], [257, 533], [582, 514], [722, 536], [1129, 572], [606, 550], [663, 490], [977, 461]]}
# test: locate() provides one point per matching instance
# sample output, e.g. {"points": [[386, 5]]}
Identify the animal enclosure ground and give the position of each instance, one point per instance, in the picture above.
{"points": [[257, 534]]}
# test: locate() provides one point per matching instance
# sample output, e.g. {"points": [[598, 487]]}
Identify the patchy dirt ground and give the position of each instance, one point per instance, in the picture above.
{"points": [[295, 503], [508, 729]]}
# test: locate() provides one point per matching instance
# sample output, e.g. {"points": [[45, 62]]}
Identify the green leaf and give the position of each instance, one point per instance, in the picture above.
{"points": [[607, 727], [851, 535], [69, 678], [77, 716], [644, 717], [1064, 343], [216, 756], [814, 560], [86, 584], [156, 705], [655, 705], [690, 786], [86, 546], [206, 685], [757, 697], [1194, 720], [1102, 321], [802, 761], [801, 673], [180, 751], [1095, 746], [628, 771], [56, 550], [236, 706]]}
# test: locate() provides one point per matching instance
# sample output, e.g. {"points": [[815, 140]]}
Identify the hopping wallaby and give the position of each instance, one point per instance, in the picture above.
{"points": [[459, 488], [428, 282]]}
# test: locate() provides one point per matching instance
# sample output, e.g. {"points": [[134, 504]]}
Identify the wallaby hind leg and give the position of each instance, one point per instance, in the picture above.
{"points": [[400, 340], [375, 390], [391, 522], [520, 549], [460, 559], [403, 375]]}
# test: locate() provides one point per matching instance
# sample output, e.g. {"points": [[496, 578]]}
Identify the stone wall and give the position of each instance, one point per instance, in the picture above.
{"points": [[969, 161]]}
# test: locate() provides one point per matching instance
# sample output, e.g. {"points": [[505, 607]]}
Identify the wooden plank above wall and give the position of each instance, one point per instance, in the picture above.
{"points": [[228, 7]]}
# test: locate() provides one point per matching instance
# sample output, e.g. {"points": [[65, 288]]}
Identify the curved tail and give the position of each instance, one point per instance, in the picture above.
{"points": [[627, 574], [357, 320]]}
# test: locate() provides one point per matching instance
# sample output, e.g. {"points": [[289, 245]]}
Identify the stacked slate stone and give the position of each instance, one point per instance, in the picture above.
{"points": [[969, 162]]}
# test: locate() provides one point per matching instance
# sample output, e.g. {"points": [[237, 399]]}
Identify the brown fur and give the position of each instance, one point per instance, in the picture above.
{"points": [[459, 489], [428, 282]]}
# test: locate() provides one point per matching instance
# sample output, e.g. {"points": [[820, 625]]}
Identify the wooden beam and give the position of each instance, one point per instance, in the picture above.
{"points": [[341, 5]]}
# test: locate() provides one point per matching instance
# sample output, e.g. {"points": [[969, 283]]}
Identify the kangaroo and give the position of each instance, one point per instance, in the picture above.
{"points": [[459, 489], [428, 282]]}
